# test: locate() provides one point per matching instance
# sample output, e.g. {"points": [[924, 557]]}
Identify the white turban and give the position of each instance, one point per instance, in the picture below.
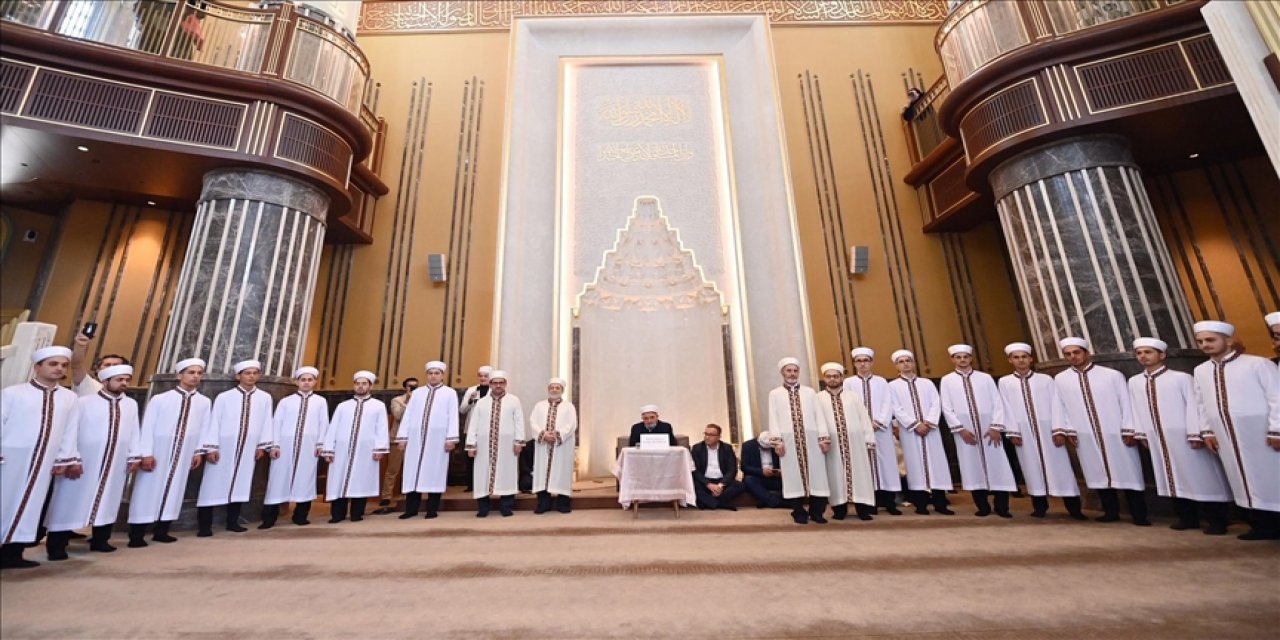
{"points": [[786, 361], [900, 354], [559, 381], [498, 375], [486, 369], [1073, 342], [183, 365], [302, 371], [832, 366], [437, 365], [649, 408], [246, 364], [40, 355], [1014, 347], [863, 351], [959, 348], [107, 373], [367, 375], [1215, 326], [1272, 319], [1158, 345]]}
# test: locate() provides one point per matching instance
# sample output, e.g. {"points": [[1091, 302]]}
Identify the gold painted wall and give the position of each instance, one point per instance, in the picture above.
{"points": [[22, 259], [1219, 220]]}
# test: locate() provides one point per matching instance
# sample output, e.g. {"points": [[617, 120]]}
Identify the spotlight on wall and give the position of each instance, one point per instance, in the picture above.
{"points": [[1194, 156], [436, 267], [151, 203], [82, 148], [859, 259]]}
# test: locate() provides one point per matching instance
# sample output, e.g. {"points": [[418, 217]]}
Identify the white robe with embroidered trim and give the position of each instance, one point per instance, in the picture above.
{"points": [[88, 386], [107, 434], [35, 437], [983, 466], [915, 401], [1167, 416], [292, 476], [1247, 387], [359, 429], [553, 463], [1095, 407], [429, 422], [172, 427], [853, 444], [874, 392], [240, 425], [1039, 457], [804, 468], [497, 468]]}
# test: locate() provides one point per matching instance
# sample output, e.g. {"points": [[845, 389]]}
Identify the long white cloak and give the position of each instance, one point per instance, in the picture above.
{"points": [[1241, 399], [172, 427], [1095, 408], [1031, 412], [240, 425], [804, 468], [37, 433], [299, 434], [107, 431], [359, 430], [494, 434], [983, 466], [1167, 416], [874, 391], [553, 463], [429, 422], [853, 443], [915, 401]]}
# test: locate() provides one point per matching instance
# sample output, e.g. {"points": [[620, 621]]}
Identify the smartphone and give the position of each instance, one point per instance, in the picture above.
{"points": [[89, 329]]}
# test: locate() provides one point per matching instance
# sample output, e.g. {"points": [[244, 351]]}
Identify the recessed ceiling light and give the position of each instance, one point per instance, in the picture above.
{"points": [[151, 203], [1194, 156], [82, 148]]}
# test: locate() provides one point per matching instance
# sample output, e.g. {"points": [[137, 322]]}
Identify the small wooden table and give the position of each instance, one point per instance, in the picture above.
{"points": [[654, 475]]}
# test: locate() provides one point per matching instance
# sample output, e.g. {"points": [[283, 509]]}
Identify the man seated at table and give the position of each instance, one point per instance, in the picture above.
{"points": [[760, 473], [715, 472], [649, 423]]}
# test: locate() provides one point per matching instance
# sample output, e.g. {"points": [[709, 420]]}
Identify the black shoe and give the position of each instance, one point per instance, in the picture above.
{"points": [[161, 537], [982, 513], [800, 517], [357, 518], [335, 520], [19, 563], [381, 511], [431, 515], [102, 547], [1179, 525], [266, 525], [406, 515], [301, 523], [235, 528], [840, 512], [1078, 516], [77, 536], [893, 511], [564, 504], [137, 543], [1107, 517], [506, 513], [1004, 514], [817, 519], [544, 503], [204, 534], [482, 514], [61, 554], [922, 511], [1038, 514], [944, 511], [384, 503]]}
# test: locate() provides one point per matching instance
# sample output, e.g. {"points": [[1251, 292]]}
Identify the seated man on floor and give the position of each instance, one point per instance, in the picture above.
{"points": [[715, 471], [760, 473], [649, 423]]}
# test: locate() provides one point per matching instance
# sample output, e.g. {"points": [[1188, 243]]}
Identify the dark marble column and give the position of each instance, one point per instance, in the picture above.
{"points": [[247, 281], [1087, 252]]}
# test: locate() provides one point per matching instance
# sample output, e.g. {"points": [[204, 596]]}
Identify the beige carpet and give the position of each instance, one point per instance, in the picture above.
{"points": [[599, 574]]}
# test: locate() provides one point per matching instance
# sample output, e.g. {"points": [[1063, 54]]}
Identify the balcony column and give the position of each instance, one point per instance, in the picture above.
{"points": [[1087, 252], [247, 280]]}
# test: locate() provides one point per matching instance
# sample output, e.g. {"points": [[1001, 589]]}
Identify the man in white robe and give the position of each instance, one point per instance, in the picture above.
{"points": [[38, 422], [301, 423], [1031, 423], [1240, 396], [1097, 417], [874, 391], [853, 445], [975, 414], [918, 408], [169, 448], [108, 427], [238, 433], [554, 426], [1166, 420], [84, 381], [467, 401], [428, 433], [801, 446], [358, 439], [495, 441]]}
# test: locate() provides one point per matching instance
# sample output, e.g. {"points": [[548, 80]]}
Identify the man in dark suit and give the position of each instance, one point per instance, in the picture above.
{"points": [[715, 472], [763, 481], [649, 423]]}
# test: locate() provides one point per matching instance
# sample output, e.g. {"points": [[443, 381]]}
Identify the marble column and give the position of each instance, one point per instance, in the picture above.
{"points": [[1087, 252], [1235, 30], [247, 281]]}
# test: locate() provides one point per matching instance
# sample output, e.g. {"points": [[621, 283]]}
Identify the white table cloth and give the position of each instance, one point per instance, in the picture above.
{"points": [[657, 475]]}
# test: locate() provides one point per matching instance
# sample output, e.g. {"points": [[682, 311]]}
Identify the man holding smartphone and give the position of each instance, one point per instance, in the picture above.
{"points": [[83, 381]]}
